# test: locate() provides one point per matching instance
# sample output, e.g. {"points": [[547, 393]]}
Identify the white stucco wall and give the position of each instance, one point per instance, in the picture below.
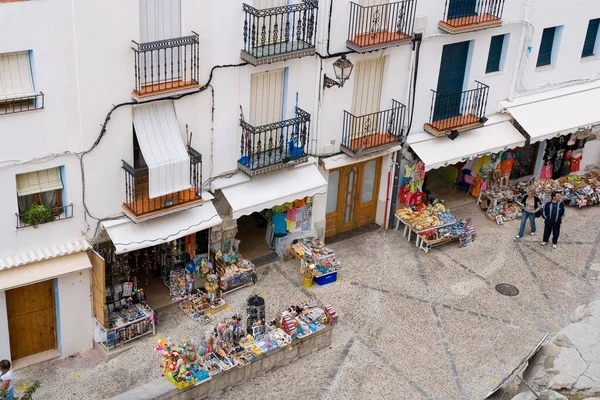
{"points": [[75, 312]]}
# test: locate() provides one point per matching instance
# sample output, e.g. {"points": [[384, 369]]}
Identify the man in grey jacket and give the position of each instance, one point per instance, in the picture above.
{"points": [[553, 213]]}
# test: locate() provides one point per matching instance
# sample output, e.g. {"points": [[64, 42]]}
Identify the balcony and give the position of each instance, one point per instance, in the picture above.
{"points": [[44, 215], [274, 146], [138, 204], [279, 33], [373, 132], [381, 26], [166, 67], [457, 111], [462, 16], [15, 105]]}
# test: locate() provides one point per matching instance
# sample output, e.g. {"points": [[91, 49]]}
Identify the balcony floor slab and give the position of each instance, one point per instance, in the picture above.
{"points": [[466, 24], [370, 143], [459, 123], [377, 40], [278, 52], [165, 89]]}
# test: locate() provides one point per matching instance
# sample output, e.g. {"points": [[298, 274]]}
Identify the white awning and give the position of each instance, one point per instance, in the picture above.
{"points": [[274, 189], [441, 152], [43, 270], [555, 116], [36, 255], [128, 236], [163, 148]]}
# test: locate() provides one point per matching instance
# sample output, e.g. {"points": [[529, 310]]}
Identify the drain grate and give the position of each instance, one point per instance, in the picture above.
{"points": [[507, 289]]}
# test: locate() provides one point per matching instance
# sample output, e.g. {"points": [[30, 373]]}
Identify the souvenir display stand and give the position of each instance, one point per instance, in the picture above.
{"points": [[229, 345], [127, 324], [500, 204], [434, 226], [312, 250], [233, 271]]}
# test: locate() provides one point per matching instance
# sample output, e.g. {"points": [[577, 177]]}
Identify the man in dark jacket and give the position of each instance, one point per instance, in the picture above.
{"points": [[553, 213]]}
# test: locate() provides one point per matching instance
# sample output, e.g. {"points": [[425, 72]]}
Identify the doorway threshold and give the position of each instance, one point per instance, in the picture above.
{"points": [[352, 233], [28, 361]]}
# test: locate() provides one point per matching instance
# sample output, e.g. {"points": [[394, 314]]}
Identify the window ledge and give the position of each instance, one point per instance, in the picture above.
{"points": [[495, 73], [545, 68], [590, 58]]}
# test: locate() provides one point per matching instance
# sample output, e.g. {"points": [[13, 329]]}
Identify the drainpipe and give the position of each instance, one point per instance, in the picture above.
{"points": [[516, 72]]}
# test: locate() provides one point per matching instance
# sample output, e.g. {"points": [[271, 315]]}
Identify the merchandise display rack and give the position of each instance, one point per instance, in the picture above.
{"points": [[117, 330]]}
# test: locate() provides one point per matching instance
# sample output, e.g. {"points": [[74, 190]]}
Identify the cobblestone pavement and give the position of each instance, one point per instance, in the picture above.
{"points": [[413, 325]]}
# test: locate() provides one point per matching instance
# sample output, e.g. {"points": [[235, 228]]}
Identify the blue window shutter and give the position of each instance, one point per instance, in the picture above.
{"points": [[590, 38], [462, 8], [451, 80], [545, 54], [495, 54]]}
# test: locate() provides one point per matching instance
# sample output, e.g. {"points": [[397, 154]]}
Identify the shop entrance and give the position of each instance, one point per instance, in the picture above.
{"points": [[31, 319], [252, 234], [352, 196], [448, 184]]}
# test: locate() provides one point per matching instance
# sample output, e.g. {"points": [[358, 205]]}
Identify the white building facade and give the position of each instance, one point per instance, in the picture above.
{"points": [[167, 118]]}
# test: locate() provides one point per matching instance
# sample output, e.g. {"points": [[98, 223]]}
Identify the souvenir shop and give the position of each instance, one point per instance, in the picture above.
{"points": [[240, 340], [269, 207]]}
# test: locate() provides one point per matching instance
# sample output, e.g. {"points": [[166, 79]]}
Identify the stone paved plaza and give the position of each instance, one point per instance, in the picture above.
{"points": [[412, 325]]}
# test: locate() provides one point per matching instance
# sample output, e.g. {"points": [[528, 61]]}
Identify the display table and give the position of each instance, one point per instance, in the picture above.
{"points": [[128, 324], [234, 271]]}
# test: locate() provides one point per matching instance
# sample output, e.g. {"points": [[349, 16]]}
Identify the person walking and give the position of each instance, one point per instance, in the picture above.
{"points": [[553, 213], [6, 384], [532, 208]]}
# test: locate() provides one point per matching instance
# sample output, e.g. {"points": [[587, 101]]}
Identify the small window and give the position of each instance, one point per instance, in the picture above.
{"points": [[591, 37], [494, 62], [40, 187], [17, 93], [546, 47]]}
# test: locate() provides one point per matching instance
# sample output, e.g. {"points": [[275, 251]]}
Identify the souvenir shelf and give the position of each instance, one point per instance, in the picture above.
{"points": [[234, 272], [128, 324]]}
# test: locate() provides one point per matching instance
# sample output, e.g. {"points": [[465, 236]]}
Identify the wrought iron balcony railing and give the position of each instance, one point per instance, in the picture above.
{"points": [[469, 15], [54, 214], [138, 203], [15, 105], [373, 132], [276, 145], [280, 33], [166, 67], [381, 26], [457, 111]]}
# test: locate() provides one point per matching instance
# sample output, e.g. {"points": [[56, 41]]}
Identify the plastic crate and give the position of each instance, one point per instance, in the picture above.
{"points": [[325, 279]]}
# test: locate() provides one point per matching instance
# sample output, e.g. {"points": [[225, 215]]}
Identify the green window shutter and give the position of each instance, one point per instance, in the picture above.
{"points": [[462, 8], [545, 54], [590, 38], [495, 54], [450, 80]]}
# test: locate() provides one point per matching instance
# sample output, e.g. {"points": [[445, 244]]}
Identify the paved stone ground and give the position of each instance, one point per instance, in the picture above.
{"points": [[413, 325]]}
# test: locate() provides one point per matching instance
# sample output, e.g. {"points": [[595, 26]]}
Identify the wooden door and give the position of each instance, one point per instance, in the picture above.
{"points": [[451, 79], [98, 286], [31, 319], [352, 196]]}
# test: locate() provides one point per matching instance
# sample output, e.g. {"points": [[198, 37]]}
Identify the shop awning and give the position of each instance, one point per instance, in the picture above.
{"points": [[560, 113], [162, 146], [441, 152], [43, 270], [128, 236], [274, 188]]}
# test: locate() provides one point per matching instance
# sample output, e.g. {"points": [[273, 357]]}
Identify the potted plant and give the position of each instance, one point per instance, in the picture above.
{"points": [[38, 214]]}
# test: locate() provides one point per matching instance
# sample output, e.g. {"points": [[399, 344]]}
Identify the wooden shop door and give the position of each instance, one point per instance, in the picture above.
{"points": [[31, 319], [352, 196]]}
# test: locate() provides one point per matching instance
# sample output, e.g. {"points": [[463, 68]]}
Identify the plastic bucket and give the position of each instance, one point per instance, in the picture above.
{"points": [[307, 282]]}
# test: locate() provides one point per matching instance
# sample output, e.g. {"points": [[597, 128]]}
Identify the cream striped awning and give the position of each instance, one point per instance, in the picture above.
{"points": [[15, 75], [39, 181]]}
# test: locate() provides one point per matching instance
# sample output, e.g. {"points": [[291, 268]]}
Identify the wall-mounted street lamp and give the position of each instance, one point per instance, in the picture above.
{"points": [[342, 69]]}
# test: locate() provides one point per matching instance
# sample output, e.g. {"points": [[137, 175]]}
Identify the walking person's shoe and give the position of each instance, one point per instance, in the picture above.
{"points": [[517, 237], [544, 243], [554, 246], [532, 233]]}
